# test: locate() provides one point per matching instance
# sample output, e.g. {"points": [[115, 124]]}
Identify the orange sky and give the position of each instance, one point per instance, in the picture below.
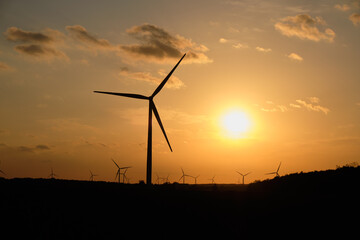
{"points": [[291, 67]]}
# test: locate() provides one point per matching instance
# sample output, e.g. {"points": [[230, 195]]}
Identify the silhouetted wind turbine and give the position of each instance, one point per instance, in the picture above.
{"points": [[183, 176], [243, 175], [212, 180], [152, 108], [195, 178], [277, 171], [92, 176], [52, 174], [124, 174], [118, 172], [2, 171]]}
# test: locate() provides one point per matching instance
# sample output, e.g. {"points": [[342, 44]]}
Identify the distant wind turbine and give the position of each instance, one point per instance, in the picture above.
{"points": [[2, 171], [118, 172], [52, 174], [277, 171], [195, 178], [212, 180], [183, 176], [92, 176], [243, 176], [124, 175], [152, 109]]}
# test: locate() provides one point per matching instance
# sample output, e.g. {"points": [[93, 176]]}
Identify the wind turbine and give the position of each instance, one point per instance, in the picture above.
{"points": [[124, 174], [277, 171], [212, 180], [118, 173], [195, 178], [52, 174], [243, 175], [152, 109], [183, 176], [92, 176], [1, 170]]}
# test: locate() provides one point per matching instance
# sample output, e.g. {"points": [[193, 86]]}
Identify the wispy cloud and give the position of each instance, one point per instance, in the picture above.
{"points": [[5, 67], [240, 46], [159, 45], [90, 40], [174, 82], [25, 149], [264, 50], [41, 45], [312, 105], [295, 57], [355, 18], [342, 7], [223, 40], [304, 26], [137, 116], [18, 35]]}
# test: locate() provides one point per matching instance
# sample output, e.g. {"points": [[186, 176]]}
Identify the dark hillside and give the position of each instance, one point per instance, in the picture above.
{"points": [[319, 204]]}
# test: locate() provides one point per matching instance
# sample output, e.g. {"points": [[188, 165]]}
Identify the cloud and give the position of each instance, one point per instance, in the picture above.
{"points": [[223, 40], [18, 35], [304, 26], [5, 67], [355, 18], [41, 45], [82, 35], [39, 51], [174, 82], [294, 105], [295, 57], [343, 7], [265, 50], [137, 116], [156, 44], [314, 99], [240, 46], [25, 149], [311, 107]]}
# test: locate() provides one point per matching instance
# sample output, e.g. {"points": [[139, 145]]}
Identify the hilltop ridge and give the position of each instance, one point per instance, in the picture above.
{"points": [[320, 203]]}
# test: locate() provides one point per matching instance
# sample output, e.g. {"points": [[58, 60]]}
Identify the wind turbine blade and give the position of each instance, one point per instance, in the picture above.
{"points": [[181, 177], [2, 172], [239, 173], [247, 174], [125, 167], [278, 168], [270, 173], [115, 163], [158, 89], [130, 95], [183, 171], [159, 121]]}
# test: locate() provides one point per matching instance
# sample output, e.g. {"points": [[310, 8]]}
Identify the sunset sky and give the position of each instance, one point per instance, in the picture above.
{"points": [[290, 68]]}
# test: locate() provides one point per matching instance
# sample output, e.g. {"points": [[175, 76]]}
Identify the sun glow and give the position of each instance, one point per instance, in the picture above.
{"points": [[235, 123]]}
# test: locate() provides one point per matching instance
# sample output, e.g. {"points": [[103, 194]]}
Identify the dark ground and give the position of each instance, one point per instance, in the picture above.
{"points": [[316, 204]]}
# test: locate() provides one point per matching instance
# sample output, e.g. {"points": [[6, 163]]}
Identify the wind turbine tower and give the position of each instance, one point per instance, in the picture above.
{"points": [[152, 109], [118, 172], [183, 176], [92, 176], [52, 174], [243, 176]]}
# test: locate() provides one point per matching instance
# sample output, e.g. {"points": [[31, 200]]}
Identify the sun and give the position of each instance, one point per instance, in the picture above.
{"points": [[236, 123]]}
